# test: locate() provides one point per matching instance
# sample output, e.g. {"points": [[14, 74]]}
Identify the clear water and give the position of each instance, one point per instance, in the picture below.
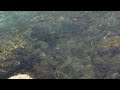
{"points": [[60, 44]]}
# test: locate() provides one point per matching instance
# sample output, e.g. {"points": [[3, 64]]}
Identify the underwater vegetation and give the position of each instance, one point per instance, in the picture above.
{"points": [[60, 44]]}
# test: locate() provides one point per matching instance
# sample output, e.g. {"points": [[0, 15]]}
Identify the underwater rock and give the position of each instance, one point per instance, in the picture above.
{"points": [[27, 60], [20, 76], [108, 42], [23, 61], [106, 61]]}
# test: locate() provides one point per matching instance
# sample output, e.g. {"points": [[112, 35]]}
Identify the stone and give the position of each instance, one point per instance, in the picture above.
{"points": [[20, 76]]}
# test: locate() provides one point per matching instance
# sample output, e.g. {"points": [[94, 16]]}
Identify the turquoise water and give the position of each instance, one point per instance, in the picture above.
{"points": [[60, 44]]}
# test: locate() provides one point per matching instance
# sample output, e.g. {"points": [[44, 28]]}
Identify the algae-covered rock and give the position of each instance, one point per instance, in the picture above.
{"points": [[108, 42], [15, 55]]}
